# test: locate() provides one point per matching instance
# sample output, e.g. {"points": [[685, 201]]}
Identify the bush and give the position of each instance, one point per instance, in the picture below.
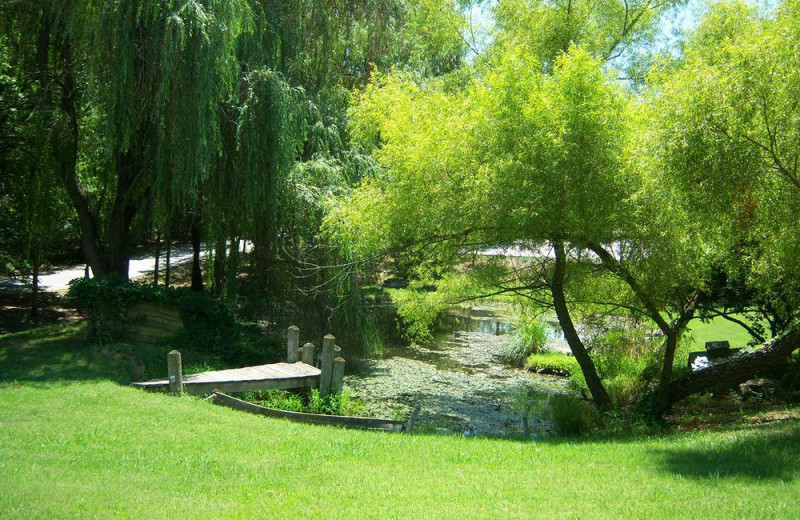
{"points": [[105, 300], [620, 352], [208, 325], [620, 355], [571, 416], [530, 337]]}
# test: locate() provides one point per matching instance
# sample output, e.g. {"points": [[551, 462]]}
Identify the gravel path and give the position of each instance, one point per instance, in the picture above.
{"points": [[462, 387]]}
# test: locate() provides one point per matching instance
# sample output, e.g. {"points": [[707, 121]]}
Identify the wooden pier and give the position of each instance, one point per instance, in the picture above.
{"points": [[293, 374], [247, 379]]}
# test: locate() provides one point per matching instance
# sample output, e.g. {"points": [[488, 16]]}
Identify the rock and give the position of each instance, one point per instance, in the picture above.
{"points": [[757, 387]]}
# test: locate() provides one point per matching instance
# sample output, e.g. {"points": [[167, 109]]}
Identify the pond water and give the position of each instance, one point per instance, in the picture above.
{"points": [[459, 379]]}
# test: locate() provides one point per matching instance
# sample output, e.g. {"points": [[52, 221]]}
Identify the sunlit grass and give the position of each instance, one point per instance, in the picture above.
{"points": [[717, 329], [98, 450]]}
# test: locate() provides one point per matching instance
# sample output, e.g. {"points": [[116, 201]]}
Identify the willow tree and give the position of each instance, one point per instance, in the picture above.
{"points": [[33, 216], [731, 150], [518, 157], [135, 89]]}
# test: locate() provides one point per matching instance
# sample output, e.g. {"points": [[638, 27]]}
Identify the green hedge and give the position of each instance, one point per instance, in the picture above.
{"points": [[208, 325]]}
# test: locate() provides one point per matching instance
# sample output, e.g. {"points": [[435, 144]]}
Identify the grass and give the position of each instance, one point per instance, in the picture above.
{"points": [[718, 329], [61, 352], [552, 363], [99, 450], [76, 444]]}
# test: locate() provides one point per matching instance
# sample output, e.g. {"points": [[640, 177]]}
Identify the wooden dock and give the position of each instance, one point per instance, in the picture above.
{"points": [[247, 379]]}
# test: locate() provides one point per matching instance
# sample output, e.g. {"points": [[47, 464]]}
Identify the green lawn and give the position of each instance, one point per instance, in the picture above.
{"points": [[87, 447], [717, 329]]}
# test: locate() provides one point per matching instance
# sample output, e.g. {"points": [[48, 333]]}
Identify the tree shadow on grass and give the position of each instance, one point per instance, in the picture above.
{"points": [[757, 454], [62, 354]]}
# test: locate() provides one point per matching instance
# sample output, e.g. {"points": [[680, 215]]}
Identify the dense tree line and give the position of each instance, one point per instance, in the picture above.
{"points": [[218, 121]]}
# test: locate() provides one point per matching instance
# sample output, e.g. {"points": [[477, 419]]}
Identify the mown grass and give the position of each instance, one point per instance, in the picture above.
{"points": [[61, 352], [87, 447], [717, 329], [99, 450]]}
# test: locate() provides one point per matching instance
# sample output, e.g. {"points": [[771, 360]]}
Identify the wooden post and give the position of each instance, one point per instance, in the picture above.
{"points": [[308, 354], [337, 375], [328, 342], [412, 419], [292, 344], [175, 372]]}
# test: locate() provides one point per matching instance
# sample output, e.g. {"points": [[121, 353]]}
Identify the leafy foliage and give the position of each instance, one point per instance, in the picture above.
{"points": [[332, 404], [208, 325]]}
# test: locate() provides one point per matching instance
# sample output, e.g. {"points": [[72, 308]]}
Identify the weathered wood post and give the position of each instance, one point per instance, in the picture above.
{"points": [[412, 419], [175, 372], [337, 377], [308, 354], [328, 342], [293, 344]]}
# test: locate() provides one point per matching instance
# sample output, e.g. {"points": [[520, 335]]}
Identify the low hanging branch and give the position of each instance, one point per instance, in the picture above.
{"points": [[773, 357]]}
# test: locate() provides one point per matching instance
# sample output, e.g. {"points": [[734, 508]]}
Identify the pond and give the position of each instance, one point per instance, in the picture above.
{"points": [[459, 379]]}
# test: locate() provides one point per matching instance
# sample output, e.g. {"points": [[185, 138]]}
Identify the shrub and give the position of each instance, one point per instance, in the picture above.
{"points": [[620, 355], [105, 300], [530, 337], [620, 352], [570, 415], [208, 325]]}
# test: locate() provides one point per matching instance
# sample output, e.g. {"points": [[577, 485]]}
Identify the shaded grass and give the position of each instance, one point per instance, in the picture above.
{"points": [[62, 353], [102, 451]]}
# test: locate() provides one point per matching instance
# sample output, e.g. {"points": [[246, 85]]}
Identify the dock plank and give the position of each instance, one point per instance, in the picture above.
{"points": [[245, 379]]}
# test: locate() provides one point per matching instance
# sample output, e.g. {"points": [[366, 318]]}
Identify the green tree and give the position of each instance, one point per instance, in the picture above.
{"points": [[733, 145]]}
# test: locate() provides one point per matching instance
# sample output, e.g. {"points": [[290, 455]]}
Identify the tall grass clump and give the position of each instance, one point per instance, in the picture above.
{"points": [[530, 337]]}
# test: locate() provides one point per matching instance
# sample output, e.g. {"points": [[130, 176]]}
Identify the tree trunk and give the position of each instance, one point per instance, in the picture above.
{"points": [[129, 171], [219, 265], [167, 267], [233, 267], [65, 151], [775, 357], [672, 330], [673, 335], [158, 257], [197, 244], [596, 388], [35, 261]]}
